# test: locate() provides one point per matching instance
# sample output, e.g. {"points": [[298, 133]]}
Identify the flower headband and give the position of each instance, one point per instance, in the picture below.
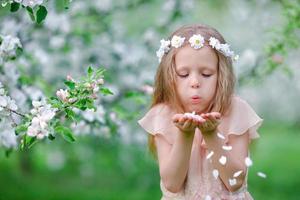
{"points": [[196, 41]]}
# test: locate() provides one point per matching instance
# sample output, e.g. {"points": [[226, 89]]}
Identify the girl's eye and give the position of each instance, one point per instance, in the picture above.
{"points": [[206, 75], [183, 76]]}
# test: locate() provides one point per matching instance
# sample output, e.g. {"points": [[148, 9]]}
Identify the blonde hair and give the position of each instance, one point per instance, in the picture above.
{"points": [[165, 78]]}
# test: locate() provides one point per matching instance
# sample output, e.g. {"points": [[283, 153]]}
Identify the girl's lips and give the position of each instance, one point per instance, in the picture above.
{"points": [[195, 99]]}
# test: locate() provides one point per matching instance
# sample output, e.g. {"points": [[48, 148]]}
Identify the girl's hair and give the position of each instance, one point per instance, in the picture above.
{"points": [[165, 78]]}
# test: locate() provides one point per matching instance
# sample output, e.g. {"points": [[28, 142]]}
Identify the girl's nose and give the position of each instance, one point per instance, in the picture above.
{"points": [[195, 82]]}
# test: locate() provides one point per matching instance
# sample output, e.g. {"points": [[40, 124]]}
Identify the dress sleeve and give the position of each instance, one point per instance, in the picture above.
{"points": [[242, 118], [158, 120]]}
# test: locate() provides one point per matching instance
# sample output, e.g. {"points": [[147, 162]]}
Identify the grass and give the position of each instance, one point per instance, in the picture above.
{"points": [[102, 169]]}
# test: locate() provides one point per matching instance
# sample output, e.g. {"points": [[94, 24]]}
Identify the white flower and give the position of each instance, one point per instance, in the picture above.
{"points": [[160, 53], [3, 101], [63, 95], [39, 123], [214, 42], [177, 41], [248, 162], [12, 104], [6, 101], [100, 81], [8, 138], [165, 45], [164, 48], [32, 3], [236, 58], [196, 41], [223, 160], [8, 47], [36, 104]]}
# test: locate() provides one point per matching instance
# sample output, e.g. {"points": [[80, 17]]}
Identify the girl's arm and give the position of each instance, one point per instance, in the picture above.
{"points": [[174, 159], [235, 157]]}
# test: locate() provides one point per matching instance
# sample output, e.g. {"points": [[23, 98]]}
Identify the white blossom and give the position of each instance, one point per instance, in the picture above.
{"points": [[31, 3], [8, 46], [62, 95], [43, 113], [196, 41], [177, 41]]}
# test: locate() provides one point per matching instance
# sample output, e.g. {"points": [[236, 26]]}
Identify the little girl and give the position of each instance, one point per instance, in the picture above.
{"points": [[198, 129]]}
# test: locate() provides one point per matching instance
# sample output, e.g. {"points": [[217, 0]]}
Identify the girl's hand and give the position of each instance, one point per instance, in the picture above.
{"points": [[187, 124], [211, 123]]}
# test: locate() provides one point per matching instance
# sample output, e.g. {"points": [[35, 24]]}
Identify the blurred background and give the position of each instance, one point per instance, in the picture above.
{"points": [[110, 159]]}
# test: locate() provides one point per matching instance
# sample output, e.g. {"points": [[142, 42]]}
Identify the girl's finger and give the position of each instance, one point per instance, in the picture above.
{"points": [[187, 124]]}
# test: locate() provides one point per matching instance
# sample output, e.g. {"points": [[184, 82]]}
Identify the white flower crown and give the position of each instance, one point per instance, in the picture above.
{"points": [[196, 41]]}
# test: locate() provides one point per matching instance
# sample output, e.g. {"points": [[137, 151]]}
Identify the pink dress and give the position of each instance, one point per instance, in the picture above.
{"points": [[200, 183]]}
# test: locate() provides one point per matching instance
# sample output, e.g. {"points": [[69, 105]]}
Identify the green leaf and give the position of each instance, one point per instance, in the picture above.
{"points": [[70, 84], [14, 7], [51, 137], [29, 141], [41, 14], [100, 72], [8, 152], [65, 132], [21, 128], [30, 13], [90, 71], [106, 91]]}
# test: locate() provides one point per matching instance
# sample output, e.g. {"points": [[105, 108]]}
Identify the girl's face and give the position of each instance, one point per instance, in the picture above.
{"points": [[197, 74]]}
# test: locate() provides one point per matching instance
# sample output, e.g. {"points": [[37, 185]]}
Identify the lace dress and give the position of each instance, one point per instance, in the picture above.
{"points": [[200, 183]]}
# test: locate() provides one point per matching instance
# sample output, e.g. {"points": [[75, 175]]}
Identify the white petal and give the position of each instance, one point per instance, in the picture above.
{"points": [[263, 175], [210, 155], [31, 131], [232, 181], [236, 174], [207, 197], [36, 104], [221, 136], [215, 173], [227, 148], [248, 162], [223, 160]]}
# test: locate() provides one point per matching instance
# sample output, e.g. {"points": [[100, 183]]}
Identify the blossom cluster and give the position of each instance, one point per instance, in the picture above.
{"points": [[30, 3], [197, 41], [42, 115], [8, 47], [7, 104]]}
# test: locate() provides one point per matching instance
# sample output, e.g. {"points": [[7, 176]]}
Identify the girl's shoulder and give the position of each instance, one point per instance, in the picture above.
{"points": [[241, 118], [158, 120]]}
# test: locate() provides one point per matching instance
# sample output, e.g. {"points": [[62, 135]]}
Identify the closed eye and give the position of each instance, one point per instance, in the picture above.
{"points": [[183, 75], [206, 75]]}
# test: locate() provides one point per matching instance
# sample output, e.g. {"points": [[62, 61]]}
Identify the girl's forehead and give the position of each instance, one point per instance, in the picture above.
{"points": [[187, 57]]}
